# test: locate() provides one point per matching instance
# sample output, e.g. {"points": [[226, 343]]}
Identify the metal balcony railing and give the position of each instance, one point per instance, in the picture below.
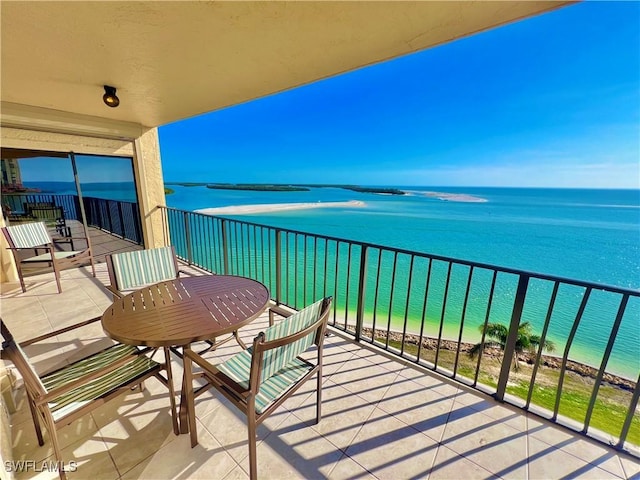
{"points": [[113, 216], [431, 310]]}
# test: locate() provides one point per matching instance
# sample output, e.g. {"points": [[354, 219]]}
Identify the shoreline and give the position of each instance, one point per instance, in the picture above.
{"points": [[275, 207], [549, 361]]}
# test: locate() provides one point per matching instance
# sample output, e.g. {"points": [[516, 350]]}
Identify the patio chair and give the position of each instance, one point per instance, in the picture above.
{"points": [[67, 394], [34, 236], [53, 217], [129, 271], [258, 380], [132, 270]]}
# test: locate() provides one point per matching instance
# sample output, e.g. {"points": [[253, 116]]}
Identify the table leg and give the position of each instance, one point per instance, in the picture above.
{"points": [[174, 419], [184, 412], [239, 340]]}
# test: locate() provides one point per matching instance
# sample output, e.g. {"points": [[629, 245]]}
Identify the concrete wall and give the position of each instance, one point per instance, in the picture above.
{"points": [[144, 149]]}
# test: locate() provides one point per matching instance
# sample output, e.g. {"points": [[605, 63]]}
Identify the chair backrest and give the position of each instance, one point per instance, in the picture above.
{"points": [[50, 214], [12, 350], [28, 206], [129, 270], [27, 235], [275, 359]]}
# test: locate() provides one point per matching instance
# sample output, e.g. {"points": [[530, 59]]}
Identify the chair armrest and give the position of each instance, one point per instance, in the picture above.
{"points": [[115, 291], [70, 238], [39, 247], [31, 341], [277, 309], [212, 371]]}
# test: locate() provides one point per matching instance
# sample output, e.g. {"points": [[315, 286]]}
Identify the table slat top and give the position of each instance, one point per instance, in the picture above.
{"points": [[185, 310]]}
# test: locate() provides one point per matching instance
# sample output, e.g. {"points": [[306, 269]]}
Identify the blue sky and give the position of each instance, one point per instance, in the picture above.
{"points": [[549, 101]]}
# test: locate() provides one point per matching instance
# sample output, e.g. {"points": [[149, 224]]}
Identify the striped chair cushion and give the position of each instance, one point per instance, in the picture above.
{"points": [[77, 398], [238, 368], [29, 235], [141, 267], [276, 359], [280, 369]]}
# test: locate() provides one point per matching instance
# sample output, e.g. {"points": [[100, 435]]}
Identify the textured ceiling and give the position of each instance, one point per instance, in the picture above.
{"points": [[173, 60]]}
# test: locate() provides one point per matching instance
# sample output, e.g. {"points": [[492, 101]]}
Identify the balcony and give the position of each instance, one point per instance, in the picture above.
{"points": [[383, 416]]}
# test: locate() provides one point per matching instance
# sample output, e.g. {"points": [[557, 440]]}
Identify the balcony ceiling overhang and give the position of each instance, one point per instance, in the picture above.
{"points": [[174, 60]]}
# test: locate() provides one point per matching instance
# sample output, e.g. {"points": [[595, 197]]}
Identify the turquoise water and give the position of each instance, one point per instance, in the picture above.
{"points": [[591, 235], [588, 235]]}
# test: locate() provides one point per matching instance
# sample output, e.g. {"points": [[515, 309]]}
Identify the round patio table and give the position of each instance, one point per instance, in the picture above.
{"points": [[176, 313]]}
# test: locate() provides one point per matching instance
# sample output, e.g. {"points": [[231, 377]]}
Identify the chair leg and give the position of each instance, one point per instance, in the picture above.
{"points": [[36, 420], [93, 267], [51, 426], [251, 424], [57, 274], [319, 397], [19, 269]]}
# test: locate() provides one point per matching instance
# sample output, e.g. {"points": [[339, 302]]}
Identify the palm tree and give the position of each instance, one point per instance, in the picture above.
{"points": [[497, 334]]}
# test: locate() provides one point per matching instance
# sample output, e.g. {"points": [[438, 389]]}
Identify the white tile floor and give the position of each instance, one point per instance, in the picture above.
{"points": [[381, 419]]}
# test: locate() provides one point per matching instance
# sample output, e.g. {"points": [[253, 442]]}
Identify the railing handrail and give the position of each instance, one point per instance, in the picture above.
{"points": [[469, 263]]}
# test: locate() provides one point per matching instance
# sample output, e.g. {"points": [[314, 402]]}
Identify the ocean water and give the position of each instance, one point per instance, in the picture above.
{"points": [[591, 235], [587, 235]]}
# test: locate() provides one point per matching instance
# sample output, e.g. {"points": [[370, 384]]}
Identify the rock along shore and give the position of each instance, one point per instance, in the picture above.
{"points": [[546, 360]]}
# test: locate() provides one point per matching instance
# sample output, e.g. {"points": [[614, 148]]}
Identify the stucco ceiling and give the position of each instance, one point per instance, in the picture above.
{"points": [[173, 60]]}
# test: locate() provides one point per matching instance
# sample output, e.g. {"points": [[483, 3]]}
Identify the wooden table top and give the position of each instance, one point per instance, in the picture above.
{"points": [[185, 310]]}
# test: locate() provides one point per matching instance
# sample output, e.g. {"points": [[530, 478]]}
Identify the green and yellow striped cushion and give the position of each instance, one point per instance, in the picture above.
{"points": [[142, 267], [238, 368], [29, 235], [278, 358], [281, 368], [77, 398]]}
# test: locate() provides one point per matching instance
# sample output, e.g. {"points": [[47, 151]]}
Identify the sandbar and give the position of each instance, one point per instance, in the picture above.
{"points": [[451, 197], [275, 207]]}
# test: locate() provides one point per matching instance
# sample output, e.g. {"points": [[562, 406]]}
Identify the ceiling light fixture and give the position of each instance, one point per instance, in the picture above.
{"points": [[110, 98]]}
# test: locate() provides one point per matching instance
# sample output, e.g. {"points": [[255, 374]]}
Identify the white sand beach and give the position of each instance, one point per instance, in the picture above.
{"points": [[275, 207]]}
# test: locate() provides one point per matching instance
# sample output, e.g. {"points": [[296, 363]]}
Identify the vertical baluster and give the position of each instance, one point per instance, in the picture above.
{"points": [[121, 218], [375, 296], [464, 312], [255, 251], [484, 328], [326, 272], [225, 246], [512, 338], [442, 315], [633, 405], [565, 356], [278, 265], [362, 278], [315, 266], [543, 339], [304, 272], [424, 310], [335, 283], [406, 305], [393, 287], [605, 359], [187, 234], [346, 295]]}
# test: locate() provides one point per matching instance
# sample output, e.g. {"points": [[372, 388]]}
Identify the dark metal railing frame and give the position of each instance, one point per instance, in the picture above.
{"points": [[229, 227]]}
